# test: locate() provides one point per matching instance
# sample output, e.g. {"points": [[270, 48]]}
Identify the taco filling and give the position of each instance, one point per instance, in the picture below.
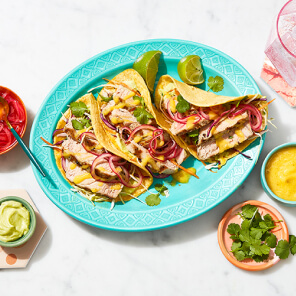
{"points": [[95, 172], [215, 130], [134, 129]]}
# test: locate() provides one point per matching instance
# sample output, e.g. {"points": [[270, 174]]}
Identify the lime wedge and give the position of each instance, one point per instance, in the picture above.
{"points": [[190, 71], [147, 66]]}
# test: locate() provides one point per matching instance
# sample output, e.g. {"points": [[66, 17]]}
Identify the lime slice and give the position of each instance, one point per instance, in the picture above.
{"points": [[147, 66], [190, 71]]}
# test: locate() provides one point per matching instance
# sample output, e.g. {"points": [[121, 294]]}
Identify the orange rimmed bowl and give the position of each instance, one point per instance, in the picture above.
{"points": [[225, 241], [7, 93]]}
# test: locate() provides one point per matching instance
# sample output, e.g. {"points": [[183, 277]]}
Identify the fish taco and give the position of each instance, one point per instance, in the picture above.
{"points": [[88, 161], [133, 125], [212, 128]]}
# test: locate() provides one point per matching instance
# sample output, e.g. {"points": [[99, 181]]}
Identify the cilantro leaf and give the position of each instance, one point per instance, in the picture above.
{"points": [[239, 255], [246, 248], [256, 232], [153, 200], [182, 105], [282, 249], [265, 249], [256, 220], [78, 108], [77, 125], [233, 228], [106, 99], [236, 246], [260, 258], [248, 211], [140, 99], [85, 122], [161, 188], [264, 225], [216, 84], [244, 235], [259, 249], [271, 240], [292, 242], [246, 224], [268, 220], [142, 115]]}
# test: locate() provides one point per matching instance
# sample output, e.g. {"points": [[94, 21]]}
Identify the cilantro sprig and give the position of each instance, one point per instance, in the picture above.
{"points": [[80, 123], [78, 108], [142, 115], [182, 105], [216, 83], [106, 99], [154, 199], [253, 239]]}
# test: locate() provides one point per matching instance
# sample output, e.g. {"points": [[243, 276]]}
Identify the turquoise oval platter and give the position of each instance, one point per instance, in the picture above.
{"points": [[186, 201]]}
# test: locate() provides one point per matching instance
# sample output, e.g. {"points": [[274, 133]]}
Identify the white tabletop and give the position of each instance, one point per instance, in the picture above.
{"points": [[40, 41]]}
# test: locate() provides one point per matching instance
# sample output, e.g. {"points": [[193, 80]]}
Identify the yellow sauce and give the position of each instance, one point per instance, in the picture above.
{"points": [[116, 120], [182, 176], [106, 111], [190, 123], [240, 134], [81, 178], [212, 115], [280, 173], [116, 99], [131, 94], [116, 187], [14, 221], [173, 105], [222, 143], [73, 165], [83, 131], [137, 139], [149, 159]]}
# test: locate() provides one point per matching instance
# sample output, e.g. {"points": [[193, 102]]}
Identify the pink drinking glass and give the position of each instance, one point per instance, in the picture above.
{"points": [[281, 44]]}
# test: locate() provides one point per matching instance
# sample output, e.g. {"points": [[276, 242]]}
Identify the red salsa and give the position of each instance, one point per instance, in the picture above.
{"points": [[17, 117]]}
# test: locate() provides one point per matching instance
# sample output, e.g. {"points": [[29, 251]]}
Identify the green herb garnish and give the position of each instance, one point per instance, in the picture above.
{"points": [[142, 115], [81, 123], [215, 84], [292, 241], [78, 108], [106, 99], [253, 239], [77, 125], [182, 105], [282, 249], [153, 200], [161, 188]]}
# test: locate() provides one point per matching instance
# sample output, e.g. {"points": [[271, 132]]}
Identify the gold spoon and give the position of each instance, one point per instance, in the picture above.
{"points": [[4, 111]]}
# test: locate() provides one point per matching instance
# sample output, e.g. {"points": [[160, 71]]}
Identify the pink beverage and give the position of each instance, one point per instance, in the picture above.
{"points": [[281, 45]]}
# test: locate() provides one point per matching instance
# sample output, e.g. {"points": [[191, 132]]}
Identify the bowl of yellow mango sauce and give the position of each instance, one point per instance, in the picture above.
{"points": [[17, 221], [278, 174]]}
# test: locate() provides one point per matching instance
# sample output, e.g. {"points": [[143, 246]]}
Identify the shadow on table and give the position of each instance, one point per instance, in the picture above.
{"points": [[16, 159], [39, 253]]}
